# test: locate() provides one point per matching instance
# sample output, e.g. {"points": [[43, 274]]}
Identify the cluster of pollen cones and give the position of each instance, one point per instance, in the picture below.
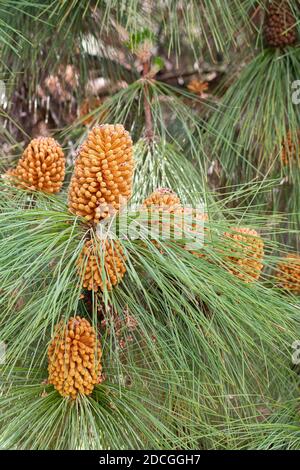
{"points": [[101, 182], [290, 149], [288, 273], [169, 218], [41, 167], [244, 253], [74, 358], [102, 179], [98, 256], [100, 185]]}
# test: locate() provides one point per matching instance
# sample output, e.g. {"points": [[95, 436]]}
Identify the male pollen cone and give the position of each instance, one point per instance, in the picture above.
{"points": [[102, 178], [247, 252], [101, 264], [280, 25], [288, 273], [197, 87], [41, 167], [74, 356], [163, 198], [290, 150], [175, 219], [162, 207]]}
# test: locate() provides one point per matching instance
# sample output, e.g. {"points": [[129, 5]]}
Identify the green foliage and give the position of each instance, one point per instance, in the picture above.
{"points": [[193, 356]]}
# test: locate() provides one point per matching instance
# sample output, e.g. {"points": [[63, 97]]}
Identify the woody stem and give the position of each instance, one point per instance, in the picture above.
{"points": [[148, 115]]}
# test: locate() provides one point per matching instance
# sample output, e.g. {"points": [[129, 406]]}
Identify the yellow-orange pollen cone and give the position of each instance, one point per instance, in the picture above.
{"points": [[163, 198], [102, 179], [197, 87], [101, 264], [290, 150], [169, 218], [41, 167], [162, 207], [74, 357], [247, 249], [288, 273]]}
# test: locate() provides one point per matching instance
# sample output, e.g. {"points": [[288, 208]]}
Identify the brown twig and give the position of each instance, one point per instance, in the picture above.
{"points": [[148, 115], [175, 75]]}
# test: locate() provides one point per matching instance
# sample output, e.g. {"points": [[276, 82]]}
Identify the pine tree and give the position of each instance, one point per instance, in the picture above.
{"points": [[149, 221]]}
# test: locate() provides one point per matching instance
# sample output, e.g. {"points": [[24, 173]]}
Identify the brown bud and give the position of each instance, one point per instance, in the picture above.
{"points": [[280, 25]]}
